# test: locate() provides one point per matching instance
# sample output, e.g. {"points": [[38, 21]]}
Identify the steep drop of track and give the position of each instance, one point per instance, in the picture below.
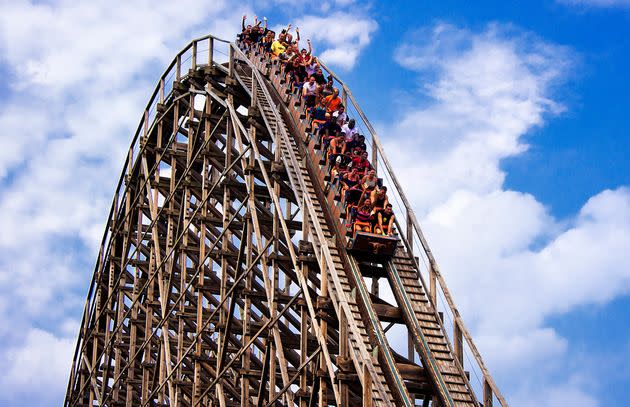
{"points": [[420, 316]]}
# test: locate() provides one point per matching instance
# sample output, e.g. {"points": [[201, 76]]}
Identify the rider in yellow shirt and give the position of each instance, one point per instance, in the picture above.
{"points": [[277, 48]]}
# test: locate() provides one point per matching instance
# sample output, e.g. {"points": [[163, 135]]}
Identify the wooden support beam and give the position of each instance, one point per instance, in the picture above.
{"points": [[201, 294], [458, 344], [487, 394], [367, 389]]}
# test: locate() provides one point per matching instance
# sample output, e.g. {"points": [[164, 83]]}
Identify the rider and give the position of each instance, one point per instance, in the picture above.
{"points": [[361, 162], [363, 217], [379, 198], [384, 221], [309, 92]]}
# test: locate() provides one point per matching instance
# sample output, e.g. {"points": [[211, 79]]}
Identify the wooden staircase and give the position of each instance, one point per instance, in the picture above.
{"points": [[429, 338]]}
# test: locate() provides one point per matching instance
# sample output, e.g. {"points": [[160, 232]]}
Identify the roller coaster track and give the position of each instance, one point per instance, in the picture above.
{"points": [[223, 276]]}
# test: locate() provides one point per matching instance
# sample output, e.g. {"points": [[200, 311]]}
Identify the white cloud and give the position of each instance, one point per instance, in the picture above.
{"points": [[534, 349], [340, 36], [80, 75], [23, 135], [509, 263], [76, 43], [491, 88], [34, 367], [570, 394], [489, 240]]}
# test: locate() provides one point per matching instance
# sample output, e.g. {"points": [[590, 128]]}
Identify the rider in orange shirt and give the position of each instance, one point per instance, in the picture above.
{"points": [[332, 102]]}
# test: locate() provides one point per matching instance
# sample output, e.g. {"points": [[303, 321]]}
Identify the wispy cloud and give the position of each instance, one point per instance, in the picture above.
{"points": [[340, 36], [509, 262], [488, 89], [78, 76]]}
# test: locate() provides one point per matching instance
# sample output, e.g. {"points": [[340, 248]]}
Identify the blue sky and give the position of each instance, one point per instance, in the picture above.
{"points": [[578, 152], [508, 124]]}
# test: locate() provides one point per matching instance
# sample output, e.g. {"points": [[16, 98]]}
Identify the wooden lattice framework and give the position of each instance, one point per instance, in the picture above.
{"points": [[223, 277]]}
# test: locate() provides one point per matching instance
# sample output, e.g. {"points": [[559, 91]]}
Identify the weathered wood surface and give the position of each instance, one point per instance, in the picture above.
{"points": [[223, 277]]}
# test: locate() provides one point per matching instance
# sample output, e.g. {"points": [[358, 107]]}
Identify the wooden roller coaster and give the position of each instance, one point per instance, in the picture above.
{"points": [[225, 277]]}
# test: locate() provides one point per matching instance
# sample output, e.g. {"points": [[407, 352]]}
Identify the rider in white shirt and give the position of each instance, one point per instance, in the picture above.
{"points": [[341, 116], [350, 130], [309, 92]]}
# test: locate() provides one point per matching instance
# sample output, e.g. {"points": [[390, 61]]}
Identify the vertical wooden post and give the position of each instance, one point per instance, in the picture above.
{"points": [[487, 394], [323, 391], [374, 155], [247, 311], [367, 388], [277, 213], [343, 353], [432, 285], [254, 90], [178, 68], [303, 322], [148, 327], [194, 55], [210, 50], [202, 256], [145, 127], [231, 62], [458, 343], [409, 231], [161, 373], [303, 347], [133, 324], [227, 237]]}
